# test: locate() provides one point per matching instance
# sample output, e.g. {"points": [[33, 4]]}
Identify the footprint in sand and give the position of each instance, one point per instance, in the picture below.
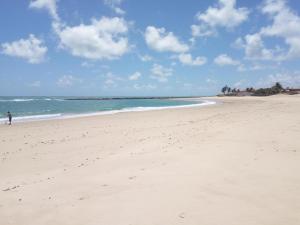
{"points": [[182, 215], [12, 188]]}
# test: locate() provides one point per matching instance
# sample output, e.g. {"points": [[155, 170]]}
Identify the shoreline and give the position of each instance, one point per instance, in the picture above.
{"points": [[61, 116], [233, 163]]}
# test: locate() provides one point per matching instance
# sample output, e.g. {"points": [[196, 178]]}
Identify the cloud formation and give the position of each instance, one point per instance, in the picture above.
{"points": [[67, 81], [285, 25], [102, 39], [115, 6], [161, 73], [224, 14], [31, 49], [135, 76], [162, 41], [287, 79], [187, 59], [145, 58], [49, 5], [225, 60]]}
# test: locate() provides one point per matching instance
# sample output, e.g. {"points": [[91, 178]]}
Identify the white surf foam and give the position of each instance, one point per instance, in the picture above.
{"points": [[32, 118], [132, 109]]}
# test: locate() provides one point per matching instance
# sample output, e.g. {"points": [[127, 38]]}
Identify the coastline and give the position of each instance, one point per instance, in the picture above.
{"points": [[60, 116], [233, 163]]}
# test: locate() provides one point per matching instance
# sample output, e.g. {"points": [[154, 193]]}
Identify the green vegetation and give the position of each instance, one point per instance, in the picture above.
{"points": [[276, 89], [250, 91]]}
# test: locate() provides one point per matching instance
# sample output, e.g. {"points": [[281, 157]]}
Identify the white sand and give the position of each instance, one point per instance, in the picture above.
{"points": [[236, 163]]}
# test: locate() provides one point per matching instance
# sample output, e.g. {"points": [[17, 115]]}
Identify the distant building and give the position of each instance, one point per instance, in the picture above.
{"points": [[292, 91], [243, 93]]}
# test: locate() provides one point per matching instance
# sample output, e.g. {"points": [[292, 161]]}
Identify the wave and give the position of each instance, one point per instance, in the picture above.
{"points": [[30, 99], [109, 112], [33, 118], [17, 100]]}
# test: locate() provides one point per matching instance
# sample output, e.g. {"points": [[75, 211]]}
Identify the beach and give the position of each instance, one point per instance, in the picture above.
{"points": [[232, 163]]}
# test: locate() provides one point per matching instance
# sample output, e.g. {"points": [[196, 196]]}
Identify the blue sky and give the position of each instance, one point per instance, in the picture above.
{"points": [[139, 47]]}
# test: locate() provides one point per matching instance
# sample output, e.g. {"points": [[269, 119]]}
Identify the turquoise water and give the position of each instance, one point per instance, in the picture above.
{"points": [[31, 108]]}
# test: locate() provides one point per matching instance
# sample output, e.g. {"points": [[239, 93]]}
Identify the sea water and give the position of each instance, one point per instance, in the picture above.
{"points": [[39, 108]]}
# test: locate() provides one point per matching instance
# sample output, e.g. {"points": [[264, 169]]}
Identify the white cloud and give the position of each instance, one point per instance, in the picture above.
{"points": [[67, 81], [49, 5], [115, 6], [110, 83], [211, 81], [102, 39], [161, 73], [255, 48], [105, 38], [87, 64], [224, 14], [135, 76], [255, 67], [111, 76], [111, 80], [225, 60], [113, 2], [291, 80], [31, 49], [119, 11], [202, 30], [285, 25], [187, 59], [162, 41], [238, 43], [146, 58]]}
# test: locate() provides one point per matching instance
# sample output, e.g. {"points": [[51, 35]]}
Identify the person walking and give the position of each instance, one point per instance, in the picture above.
{"points": [[9, 117]]}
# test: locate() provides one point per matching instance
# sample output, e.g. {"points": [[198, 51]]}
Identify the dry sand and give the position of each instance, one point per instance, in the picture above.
{"points": [[236, 163]]}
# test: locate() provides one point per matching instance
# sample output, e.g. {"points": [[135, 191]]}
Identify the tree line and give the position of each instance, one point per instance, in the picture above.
{"points": [[275, 89]]}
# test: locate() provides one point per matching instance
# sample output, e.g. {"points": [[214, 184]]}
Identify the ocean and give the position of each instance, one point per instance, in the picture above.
{"points": [[41, 108]]}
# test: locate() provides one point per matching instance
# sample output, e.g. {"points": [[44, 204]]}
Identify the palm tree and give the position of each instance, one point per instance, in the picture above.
{"points": [[224, 89], [278, 86]]}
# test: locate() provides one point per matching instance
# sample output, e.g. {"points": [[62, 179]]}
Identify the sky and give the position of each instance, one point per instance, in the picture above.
{"points": [[147, 48]]}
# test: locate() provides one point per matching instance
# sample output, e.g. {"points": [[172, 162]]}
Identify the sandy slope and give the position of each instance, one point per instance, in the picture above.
{"points": [[236, 163]]}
